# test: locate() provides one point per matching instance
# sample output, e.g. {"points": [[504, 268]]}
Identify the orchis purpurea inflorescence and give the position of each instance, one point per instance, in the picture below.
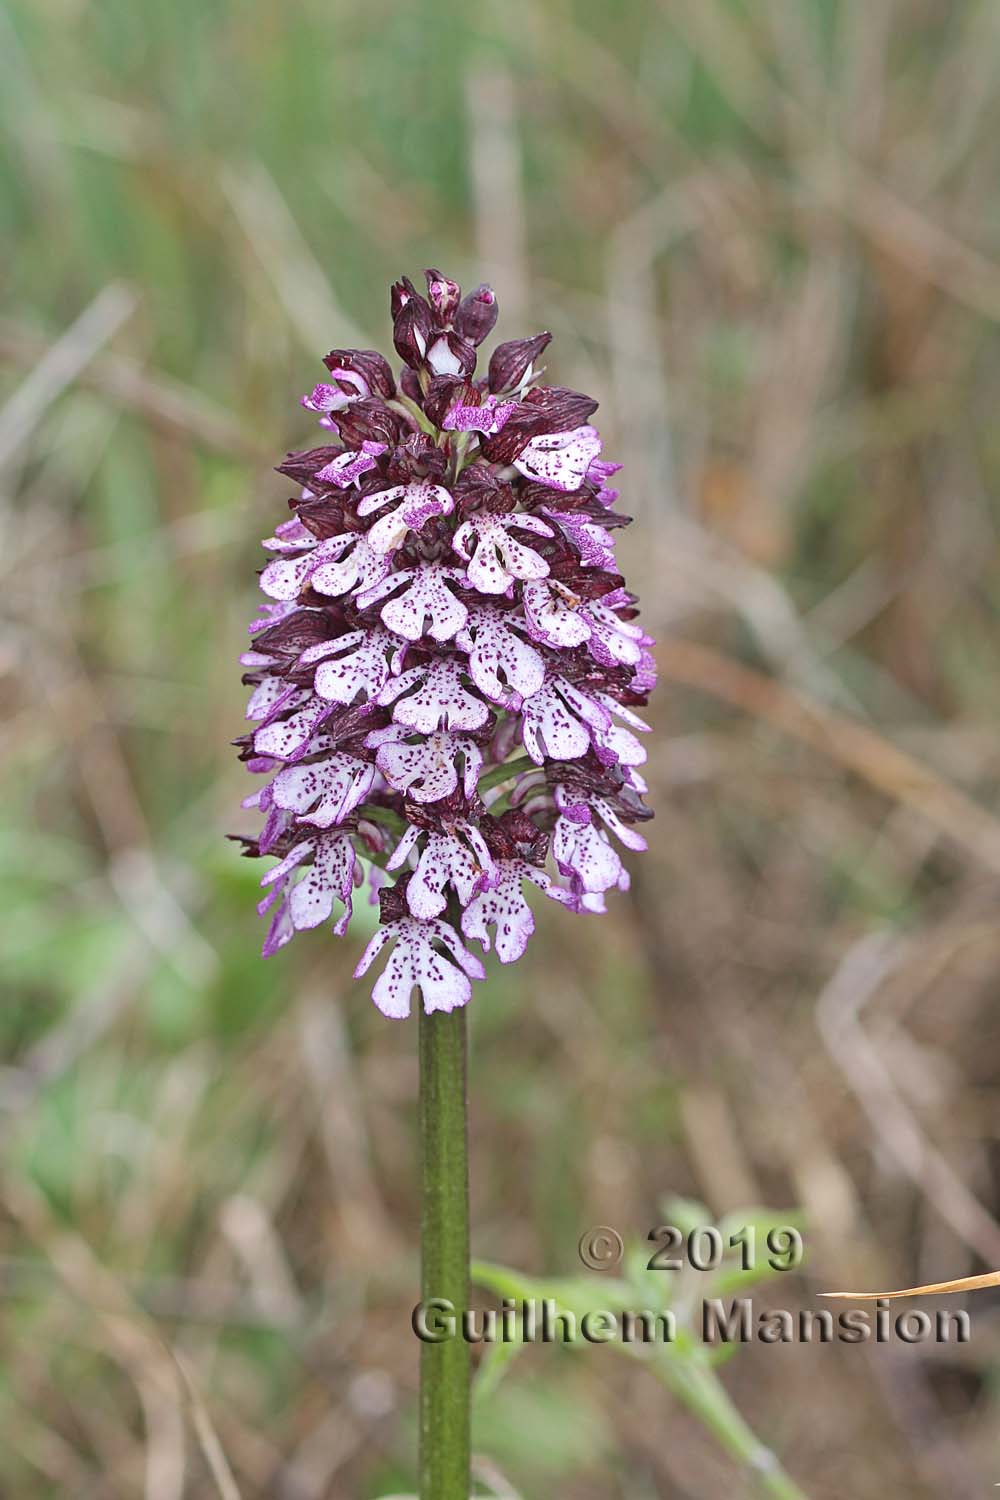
{"points": [[446, 671]]}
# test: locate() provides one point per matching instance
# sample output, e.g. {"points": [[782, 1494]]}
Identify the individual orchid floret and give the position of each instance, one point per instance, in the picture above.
{"points": [[559, 722], [424, 766], [440, 701], [443, 596], [560, 460], [308, 902], [501, 664], [442, 977], [592, 541], [427, 603], [323, 792], [354, 664], [503, 907], [499, 560], [419, 502], [457, 857], [350, 564], [582, 850], [348, 467], [552, 612], [488, 417]]}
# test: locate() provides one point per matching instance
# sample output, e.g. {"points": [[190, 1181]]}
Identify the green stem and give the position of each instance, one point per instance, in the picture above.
{"points": [[444, 1232], [505, 772], [701, 1391]]}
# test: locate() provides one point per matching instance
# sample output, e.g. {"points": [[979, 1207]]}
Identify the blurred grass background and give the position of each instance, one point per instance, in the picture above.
{"points": [[767, 236]]}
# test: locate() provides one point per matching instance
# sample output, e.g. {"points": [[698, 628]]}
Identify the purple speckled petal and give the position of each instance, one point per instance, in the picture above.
{"points": [[600, 470], [347, 468], [415, 961], [280, 872], [488, 418], [271, 695], [594, 544], [560, 460], [359, 568], [427, 597], [403, 849], [288, 739], [495, 649], [324, 792], [440, 700], [326, 398], [290, 536], [499, 558], [613, 642], [361, 667], [447, 860], [503, 906], [616, 745], [419, 501], [330, 877], [582, 850], [559, 721], [553, 615], [630, 837], [426, 770], [284, 578]]}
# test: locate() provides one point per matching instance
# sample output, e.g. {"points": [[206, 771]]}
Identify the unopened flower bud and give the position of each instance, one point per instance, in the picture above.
{"points": [[443, 296], [477, 315], [511, 362], [412, 330]]}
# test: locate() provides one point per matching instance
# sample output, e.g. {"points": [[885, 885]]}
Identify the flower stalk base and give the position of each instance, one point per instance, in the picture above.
{"points": [[444, 1367]]}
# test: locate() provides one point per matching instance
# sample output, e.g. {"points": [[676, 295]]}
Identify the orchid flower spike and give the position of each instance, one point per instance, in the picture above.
{"points": [[445, 673]]}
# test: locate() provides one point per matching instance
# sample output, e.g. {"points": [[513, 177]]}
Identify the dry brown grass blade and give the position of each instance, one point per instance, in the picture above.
{"points": [[962, 1284], [127, 382], [857, 747], [62, 362]]}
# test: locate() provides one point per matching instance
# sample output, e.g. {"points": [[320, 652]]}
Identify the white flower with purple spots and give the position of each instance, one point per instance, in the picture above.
{"points": [[326, 398], [502, 906], [347, 468], [440, 699], [323, 792], [414, 504], [442, 978], [614, 744], [425, 768], [273, 696], [350, 566], [499, 559], [553, 615], [426, 602], [487, 419], [560, 460], [581, 848], [301, 901], [502, 665], [559, 722], [457, 857], [288, 739], [353, 664], [613, 642]]}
